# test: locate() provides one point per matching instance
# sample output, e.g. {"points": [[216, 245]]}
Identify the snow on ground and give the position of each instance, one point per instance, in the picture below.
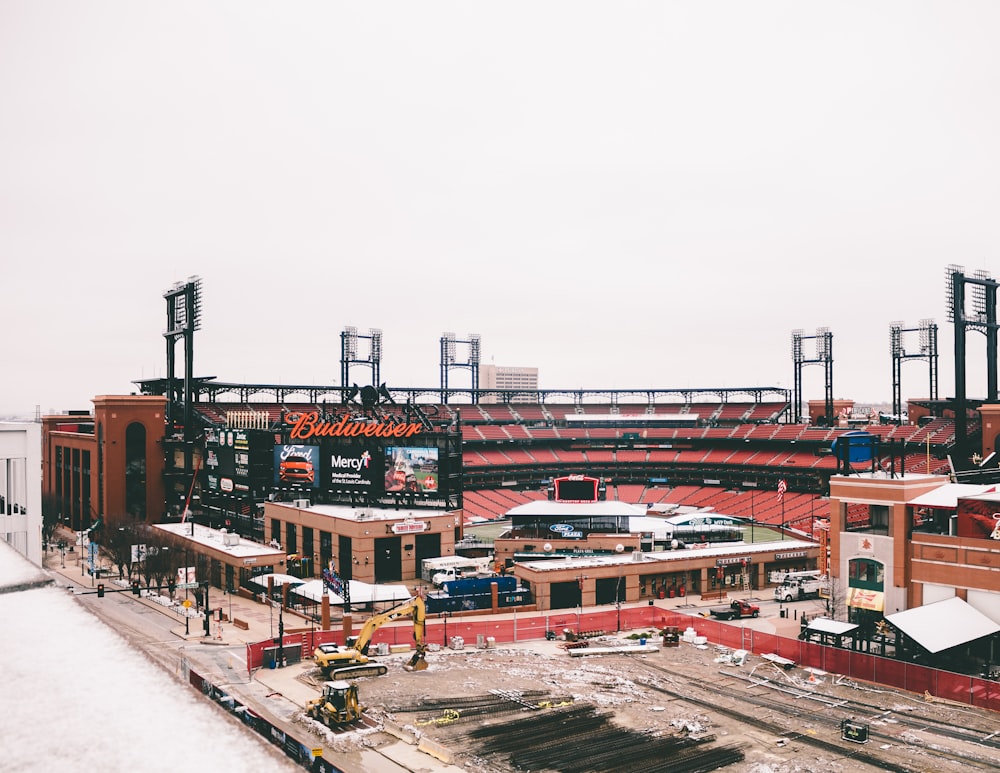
{"points": [[77, 697]]}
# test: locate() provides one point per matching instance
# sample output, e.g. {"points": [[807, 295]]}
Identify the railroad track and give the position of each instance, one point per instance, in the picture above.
{"points": [[783, 713]]}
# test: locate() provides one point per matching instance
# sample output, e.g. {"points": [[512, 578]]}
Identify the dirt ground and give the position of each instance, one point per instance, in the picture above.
{"points": [[777, 720]]}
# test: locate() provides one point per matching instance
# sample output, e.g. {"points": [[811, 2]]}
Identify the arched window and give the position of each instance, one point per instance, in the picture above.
{"points": [[866, 573], [135, 470]]}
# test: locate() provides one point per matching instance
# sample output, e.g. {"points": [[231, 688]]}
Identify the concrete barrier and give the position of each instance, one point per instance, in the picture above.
{"points": [[436, 750], [242, 624]]}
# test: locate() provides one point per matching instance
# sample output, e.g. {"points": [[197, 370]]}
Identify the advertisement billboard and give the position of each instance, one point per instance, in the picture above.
{"points": [[979, 518], [296, 465], [411, 469], [352, 467]]}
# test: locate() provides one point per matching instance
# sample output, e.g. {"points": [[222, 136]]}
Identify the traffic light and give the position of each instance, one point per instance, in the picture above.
{"points": [[135, 587], [100, 590]]}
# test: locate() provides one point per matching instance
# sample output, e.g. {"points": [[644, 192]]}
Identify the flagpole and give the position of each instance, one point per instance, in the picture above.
{"points": [[782, 488]]}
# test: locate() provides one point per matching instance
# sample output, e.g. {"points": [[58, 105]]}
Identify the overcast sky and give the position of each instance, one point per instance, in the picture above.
{"points": [[622, 194]]}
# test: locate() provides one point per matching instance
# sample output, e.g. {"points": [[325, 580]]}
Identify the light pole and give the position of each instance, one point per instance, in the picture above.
{"points": [[752, 485], [208, 621], [281, 635], [618, 602], [445, 616]]}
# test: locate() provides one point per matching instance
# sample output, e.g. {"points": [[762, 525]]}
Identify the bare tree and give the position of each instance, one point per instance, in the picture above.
{"points": [[835, 598], [118, 543], [150, 567], [51, 517]]}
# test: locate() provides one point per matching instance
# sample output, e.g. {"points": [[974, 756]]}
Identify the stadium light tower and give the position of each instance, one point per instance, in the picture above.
{"points": [[982, 318], [449, 361], [349, 356], [824, 356], [183, 318], [928, 350]]}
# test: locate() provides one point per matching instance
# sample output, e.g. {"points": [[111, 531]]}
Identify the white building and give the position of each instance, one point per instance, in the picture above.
{"points": [[508, 378], [21, 488]]}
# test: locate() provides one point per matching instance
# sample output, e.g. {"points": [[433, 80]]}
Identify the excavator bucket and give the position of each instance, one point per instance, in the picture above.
{"points": [[418, 662]]}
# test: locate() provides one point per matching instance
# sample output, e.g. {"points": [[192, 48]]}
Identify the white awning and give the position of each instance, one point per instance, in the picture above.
{"points": [[947, 495], [361, 592], [279, 580], [944, 624], [826, 625], [313, 590]]}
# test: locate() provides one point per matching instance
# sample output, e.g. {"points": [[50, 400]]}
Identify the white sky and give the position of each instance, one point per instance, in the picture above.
{"points": [[622, 194]]}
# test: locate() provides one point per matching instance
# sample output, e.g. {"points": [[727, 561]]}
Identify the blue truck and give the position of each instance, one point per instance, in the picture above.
{"points": [[467, 586], [475, 593]]}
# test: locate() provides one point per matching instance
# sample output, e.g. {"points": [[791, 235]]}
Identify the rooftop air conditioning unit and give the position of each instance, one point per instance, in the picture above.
{"points": [[301, 504], [638, 555], [230, 540]]}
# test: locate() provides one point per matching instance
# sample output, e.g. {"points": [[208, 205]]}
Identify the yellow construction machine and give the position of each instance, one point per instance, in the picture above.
{"points": [[352, 661], [338, 704]]}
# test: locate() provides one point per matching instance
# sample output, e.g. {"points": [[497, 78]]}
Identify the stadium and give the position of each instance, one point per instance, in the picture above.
{"points": [[605, 496]]}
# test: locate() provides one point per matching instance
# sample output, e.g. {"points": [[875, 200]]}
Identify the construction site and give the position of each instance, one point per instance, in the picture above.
{"points": [[635, 700]]}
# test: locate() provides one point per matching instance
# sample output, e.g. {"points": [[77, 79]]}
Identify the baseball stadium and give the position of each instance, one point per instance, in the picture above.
{"points": [[587, 497]]}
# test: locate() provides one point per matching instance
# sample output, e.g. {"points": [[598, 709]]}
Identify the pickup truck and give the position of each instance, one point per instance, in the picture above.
{"points": [[736, 610]]}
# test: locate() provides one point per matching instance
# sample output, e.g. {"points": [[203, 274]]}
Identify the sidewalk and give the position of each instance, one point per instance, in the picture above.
{"points": [[262, 620], [257, 616]]}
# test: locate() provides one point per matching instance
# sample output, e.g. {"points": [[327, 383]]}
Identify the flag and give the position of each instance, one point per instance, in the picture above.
{"points": [[782, 488]]}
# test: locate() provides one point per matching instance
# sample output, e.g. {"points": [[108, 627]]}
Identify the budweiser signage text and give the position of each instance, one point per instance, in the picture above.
{"points": [[307, 425]]}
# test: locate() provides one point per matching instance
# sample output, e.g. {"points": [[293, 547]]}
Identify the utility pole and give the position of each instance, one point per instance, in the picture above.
{"points": [[208, 620]]}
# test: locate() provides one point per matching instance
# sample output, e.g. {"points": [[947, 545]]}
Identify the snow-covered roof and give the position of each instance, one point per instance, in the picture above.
{"points": [[729, 550], [947, 495], [943, 624], [545, 509], [229, 543]]}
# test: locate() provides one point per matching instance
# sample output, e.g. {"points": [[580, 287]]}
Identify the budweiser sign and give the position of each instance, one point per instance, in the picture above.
{"points": [[308, 425]]}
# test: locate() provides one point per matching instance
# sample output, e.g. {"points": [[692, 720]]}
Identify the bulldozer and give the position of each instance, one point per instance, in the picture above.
{"points": [[338, 705], [352, 661]]}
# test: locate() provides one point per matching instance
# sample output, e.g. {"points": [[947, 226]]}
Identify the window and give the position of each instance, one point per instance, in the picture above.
{"points": [[866, 573]]}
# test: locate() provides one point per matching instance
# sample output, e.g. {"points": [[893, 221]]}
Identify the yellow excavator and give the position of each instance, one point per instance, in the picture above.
{"points": [[352, 661]]}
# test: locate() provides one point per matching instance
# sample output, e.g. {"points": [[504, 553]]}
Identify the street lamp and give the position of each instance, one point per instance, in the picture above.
{"points": [[445, 616]]}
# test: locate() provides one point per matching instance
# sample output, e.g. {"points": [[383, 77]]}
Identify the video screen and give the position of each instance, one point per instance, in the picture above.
{"points": [[411, 469], [296, 465]]}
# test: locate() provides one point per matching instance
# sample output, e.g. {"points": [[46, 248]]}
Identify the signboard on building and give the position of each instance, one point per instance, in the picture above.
{"points": [[409, 527]]}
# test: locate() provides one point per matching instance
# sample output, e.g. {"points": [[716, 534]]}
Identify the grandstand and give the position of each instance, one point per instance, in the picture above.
{"points": [[708, 455]]}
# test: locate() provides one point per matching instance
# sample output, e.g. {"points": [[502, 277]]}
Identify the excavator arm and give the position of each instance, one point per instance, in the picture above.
{"points": [[414, 607]]}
